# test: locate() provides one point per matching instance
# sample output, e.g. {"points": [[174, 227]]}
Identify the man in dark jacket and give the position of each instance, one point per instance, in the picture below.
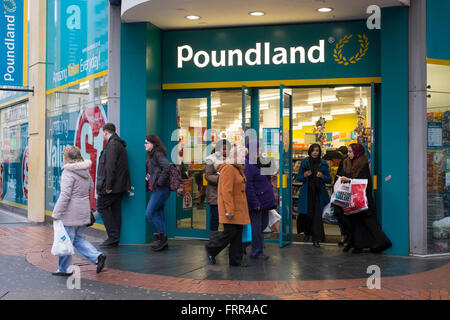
{"points": [[113, 180]]}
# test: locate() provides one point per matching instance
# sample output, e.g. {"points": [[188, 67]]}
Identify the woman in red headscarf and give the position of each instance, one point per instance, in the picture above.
{"points": [[365, 231]]}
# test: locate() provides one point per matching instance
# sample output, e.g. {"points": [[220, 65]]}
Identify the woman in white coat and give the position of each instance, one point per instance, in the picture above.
{"points": [[73, 209]]}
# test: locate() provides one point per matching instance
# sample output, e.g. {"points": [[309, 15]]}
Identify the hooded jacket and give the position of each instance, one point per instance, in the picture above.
{"points": [[73, 205], [112, 172]]}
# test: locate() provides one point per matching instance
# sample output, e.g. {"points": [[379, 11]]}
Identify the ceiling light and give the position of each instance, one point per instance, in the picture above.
{"points": [[325, 9], [343, 88], [324, 99], [342, 111], [302, 109], [256, 13], [264, 107], [192, 17], [269, 97], [299, 127]]}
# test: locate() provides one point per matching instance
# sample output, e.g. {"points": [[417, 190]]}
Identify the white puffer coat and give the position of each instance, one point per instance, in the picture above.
{"points": [[73, 205]]}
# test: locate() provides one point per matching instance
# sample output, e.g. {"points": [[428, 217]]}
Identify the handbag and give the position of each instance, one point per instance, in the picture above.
{"points": [[247, 233], [92, 219]]}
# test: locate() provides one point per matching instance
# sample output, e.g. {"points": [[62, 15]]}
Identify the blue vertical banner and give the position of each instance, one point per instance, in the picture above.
{"points": [[77, 42], [13, 43]]}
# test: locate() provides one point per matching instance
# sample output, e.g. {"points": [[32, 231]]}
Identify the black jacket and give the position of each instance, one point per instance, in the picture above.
{"points": [[112, 172], [159, 169]]}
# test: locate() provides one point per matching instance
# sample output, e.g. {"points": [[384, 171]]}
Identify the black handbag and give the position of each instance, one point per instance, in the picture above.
{"points": [[92, 220]]}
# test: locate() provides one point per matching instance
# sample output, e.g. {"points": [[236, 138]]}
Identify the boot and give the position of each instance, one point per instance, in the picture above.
{"points": [[163, 243], [157, 241]]}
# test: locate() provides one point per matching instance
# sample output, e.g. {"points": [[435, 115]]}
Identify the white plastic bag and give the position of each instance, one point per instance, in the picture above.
{"points": [[328, 215], [342, 194], [274, 220], [62, 246]]}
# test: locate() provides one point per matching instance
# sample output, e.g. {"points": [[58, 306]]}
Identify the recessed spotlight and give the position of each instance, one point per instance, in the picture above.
{"points": [[256, 13], [325, 9], [192, 17]]}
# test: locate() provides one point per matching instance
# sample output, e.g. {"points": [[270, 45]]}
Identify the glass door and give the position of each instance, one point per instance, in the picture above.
{"points": [[193, 121], [285, 172]]}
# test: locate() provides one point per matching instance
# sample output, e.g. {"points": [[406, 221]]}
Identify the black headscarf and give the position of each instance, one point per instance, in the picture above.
{"points": [[315, 182]]}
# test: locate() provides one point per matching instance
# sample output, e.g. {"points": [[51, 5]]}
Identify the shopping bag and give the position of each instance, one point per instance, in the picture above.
{"points": [[358, 200], [247, 233], [274, 220], [328, 214], [342, 194], [62, 246]]}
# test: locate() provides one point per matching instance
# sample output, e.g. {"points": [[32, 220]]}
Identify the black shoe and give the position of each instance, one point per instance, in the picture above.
{"points": [[347, 248], [108, 244], [62, 274], [157, 241], [163, 243], [316, 244], [211, 259], [341, 243], [306, 238], [357, 251], [100, 262], [261, 257], [376, 251]]}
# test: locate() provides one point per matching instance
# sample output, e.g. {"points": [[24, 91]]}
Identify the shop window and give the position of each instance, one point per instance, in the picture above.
{"points": [[192, 148], [14, 154], [438, 159], [75, 116]]}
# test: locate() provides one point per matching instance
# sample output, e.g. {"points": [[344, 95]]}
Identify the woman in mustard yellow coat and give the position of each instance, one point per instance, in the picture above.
{"points": [[233, 209]]}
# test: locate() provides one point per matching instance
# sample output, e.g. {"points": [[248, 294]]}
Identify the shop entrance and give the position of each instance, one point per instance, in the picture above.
{"points": [[285, 122]]}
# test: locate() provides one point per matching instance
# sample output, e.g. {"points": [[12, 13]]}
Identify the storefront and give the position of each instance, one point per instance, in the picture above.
{"points": [[192, 87], [271, 84]]}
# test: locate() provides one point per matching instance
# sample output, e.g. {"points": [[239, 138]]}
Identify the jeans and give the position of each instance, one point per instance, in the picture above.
{"points": [[214, 223], [82, 245], [110, 208], [155, 209], [259, 221]]}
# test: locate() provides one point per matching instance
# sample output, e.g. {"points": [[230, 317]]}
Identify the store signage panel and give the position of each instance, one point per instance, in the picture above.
{"points": [[13, 42], [308, 51], [77, 40]]}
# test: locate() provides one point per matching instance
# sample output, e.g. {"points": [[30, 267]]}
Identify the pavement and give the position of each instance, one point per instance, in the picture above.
{"points": [[135, 272]]}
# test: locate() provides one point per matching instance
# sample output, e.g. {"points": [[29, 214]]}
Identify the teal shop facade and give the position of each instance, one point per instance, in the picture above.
{"points": [[189, 63]]}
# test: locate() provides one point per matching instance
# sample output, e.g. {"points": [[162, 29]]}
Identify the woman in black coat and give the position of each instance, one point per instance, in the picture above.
{"points": [[158, 181], [365, 231]]}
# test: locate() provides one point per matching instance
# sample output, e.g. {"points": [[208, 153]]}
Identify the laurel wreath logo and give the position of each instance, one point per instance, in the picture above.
{"points": [[341, 59], [10, 8]]}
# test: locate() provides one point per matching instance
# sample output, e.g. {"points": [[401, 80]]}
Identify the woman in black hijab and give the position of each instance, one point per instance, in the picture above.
{"points": [[314, 173]]}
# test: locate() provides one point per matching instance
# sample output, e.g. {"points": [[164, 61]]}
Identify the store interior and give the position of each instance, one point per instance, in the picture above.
{"points": [[339, 106]]}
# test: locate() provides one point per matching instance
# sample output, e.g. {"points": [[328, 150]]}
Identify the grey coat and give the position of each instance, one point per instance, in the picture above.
{"points": [[212, 176], [73, 205]]}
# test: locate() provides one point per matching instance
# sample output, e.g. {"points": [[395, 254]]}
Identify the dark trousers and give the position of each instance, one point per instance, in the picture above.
{"points": [[214, 216], [231, 235], [314, 223], [259, 221], [110, 208]]}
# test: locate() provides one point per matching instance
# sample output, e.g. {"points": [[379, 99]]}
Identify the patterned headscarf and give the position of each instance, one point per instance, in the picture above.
{"points": [[358, 151]]}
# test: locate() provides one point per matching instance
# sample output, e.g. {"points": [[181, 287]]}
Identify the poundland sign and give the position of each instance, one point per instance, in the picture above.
{"points": [[309, 51], [251, 57], [13, 42]]}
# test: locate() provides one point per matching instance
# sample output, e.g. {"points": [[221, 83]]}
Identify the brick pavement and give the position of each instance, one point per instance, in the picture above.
{"points": [[35, 243]]}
